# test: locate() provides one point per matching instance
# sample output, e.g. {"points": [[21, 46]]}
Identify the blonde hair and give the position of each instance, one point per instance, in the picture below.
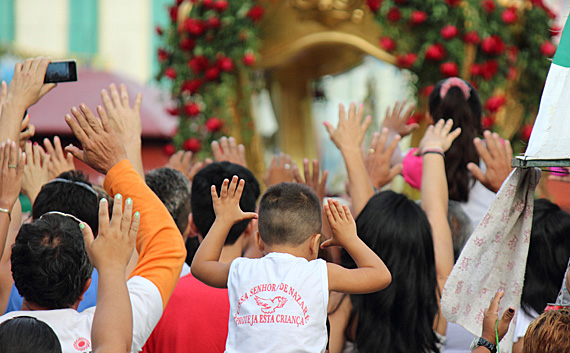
{"points": [[549, 333]]}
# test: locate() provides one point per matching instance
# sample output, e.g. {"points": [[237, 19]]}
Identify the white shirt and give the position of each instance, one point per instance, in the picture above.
{"points": [[277, 304], [74, 328]]}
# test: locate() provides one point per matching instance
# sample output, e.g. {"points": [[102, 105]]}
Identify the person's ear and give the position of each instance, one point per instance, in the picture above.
{"points": [[259, 242], [192, 229], [251, 228], [315, 244]]}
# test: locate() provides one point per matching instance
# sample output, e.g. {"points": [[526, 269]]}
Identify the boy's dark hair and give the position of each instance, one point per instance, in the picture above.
{"points": [[201, 199], [289, 213], [72, 193], [25, 334], [173, 189], [49, 263]]}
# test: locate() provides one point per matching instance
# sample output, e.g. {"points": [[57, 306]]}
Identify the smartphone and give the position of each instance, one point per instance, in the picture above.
{"points": [[61, 71]]}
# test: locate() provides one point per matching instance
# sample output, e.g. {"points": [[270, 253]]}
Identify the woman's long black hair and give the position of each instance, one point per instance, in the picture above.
{"points": [[399, 318], [466, 114]]}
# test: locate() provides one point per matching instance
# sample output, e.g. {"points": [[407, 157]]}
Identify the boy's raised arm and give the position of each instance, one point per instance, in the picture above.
{"points": [[371, 275], [206, 266]]}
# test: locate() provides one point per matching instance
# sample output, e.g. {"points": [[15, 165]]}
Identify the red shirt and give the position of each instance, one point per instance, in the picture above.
{"points": [[195, 320]]}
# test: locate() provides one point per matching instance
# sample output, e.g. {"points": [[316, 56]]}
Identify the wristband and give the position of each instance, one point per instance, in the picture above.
{"points": [[7, 212], [434, 150]]}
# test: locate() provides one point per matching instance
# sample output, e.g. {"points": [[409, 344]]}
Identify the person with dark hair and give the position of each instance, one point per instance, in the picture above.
{"points": [[25, 334], [159, 244], [284, 294], [548, 254], [80, 200], [415, 243], [203, 325], [549, 333]]}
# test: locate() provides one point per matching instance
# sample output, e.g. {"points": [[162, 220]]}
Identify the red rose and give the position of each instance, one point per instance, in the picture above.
{"points": [[214, 124], [493, 45], [547, 48], [488, 122], [162, 55], [525, 132], [374, 5], [426, 91], [174, 13], [170, 72], [191, 108], [406, 61], [452, 3], [476, 69], [212, 74], [537, 3], [209, 4], [192, 144], [187, 44], [194, 27], [418, 17], [173, 111], [512, 74], [191, 87], [225, 64], [401, 2], [448, 32], [512, 54], [256, 13], [198, 64], [249, 59], [214, 22], [449, 69], [387, 43], [472, 37], [489, 6], [221, 5], [494, 103], [169, 149], [489, 69], [435, 52], [394, 14], [159, 30], [509, 15]]}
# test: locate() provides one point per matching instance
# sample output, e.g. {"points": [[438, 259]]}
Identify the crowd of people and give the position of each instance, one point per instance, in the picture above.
{"points": [[194, 257]]}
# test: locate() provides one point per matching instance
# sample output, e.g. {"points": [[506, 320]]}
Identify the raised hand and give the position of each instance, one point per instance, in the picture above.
{"points": [[491, 316], [313, 180], [182, 162], [377, 160], [27, 131], [27, 85], [228, 150], [3, 94], [350, 130], [497, 154], [123, 119], [342, 224], [36, 171], [281, 170], [102, 148], [226, 206], [12, 162], [439, 136], [396, 122], [59, 162]]}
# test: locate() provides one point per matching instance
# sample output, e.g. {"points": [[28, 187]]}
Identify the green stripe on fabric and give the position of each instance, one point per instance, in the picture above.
{"points": [[562, 57], [83, 26], [7, 26]]}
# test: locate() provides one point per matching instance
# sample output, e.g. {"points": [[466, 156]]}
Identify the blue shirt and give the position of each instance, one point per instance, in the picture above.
{"points": [[89, 298]]}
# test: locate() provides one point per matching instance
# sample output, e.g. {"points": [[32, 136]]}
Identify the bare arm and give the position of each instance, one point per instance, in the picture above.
{"points": [[339, 316], [371, 275], [206, 265]]}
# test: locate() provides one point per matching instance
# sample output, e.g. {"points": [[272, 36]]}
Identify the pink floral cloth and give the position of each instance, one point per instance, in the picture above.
{"points": [[494, 258]]}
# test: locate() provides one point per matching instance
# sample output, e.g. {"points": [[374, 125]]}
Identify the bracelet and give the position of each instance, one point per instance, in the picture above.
{"points": [[434, 149], [7, 212], [427, 151]]}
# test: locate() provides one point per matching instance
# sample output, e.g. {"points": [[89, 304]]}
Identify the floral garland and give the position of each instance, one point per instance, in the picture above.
{"points": [[492, 46], [203, 57]]}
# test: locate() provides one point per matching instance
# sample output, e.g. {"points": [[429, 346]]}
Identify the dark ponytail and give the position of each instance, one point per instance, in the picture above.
{"points": [[466, 113]]}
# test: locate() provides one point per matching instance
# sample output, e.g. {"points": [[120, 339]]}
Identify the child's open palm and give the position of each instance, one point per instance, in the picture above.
{"points": [[439, 136], [226, 206], [342, 224]]}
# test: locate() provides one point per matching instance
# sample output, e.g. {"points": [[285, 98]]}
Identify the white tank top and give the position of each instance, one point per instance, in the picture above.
{"points": [[277, 304]]}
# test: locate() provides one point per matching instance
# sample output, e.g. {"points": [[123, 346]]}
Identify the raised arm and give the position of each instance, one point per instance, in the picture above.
{"points": [[12, 162], [496, 153], [436, 141], [371, 275], [206, 265], [112, 330]]}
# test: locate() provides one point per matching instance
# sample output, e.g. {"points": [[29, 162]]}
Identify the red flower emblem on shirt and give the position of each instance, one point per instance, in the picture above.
{"points": [[81, 344]]}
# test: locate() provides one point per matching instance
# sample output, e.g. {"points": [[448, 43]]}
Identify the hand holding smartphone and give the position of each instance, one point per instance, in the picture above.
{"points": [[61, 71]]}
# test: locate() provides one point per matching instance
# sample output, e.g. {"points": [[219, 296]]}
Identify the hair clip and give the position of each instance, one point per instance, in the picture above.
{"points": [[455, 82]]}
